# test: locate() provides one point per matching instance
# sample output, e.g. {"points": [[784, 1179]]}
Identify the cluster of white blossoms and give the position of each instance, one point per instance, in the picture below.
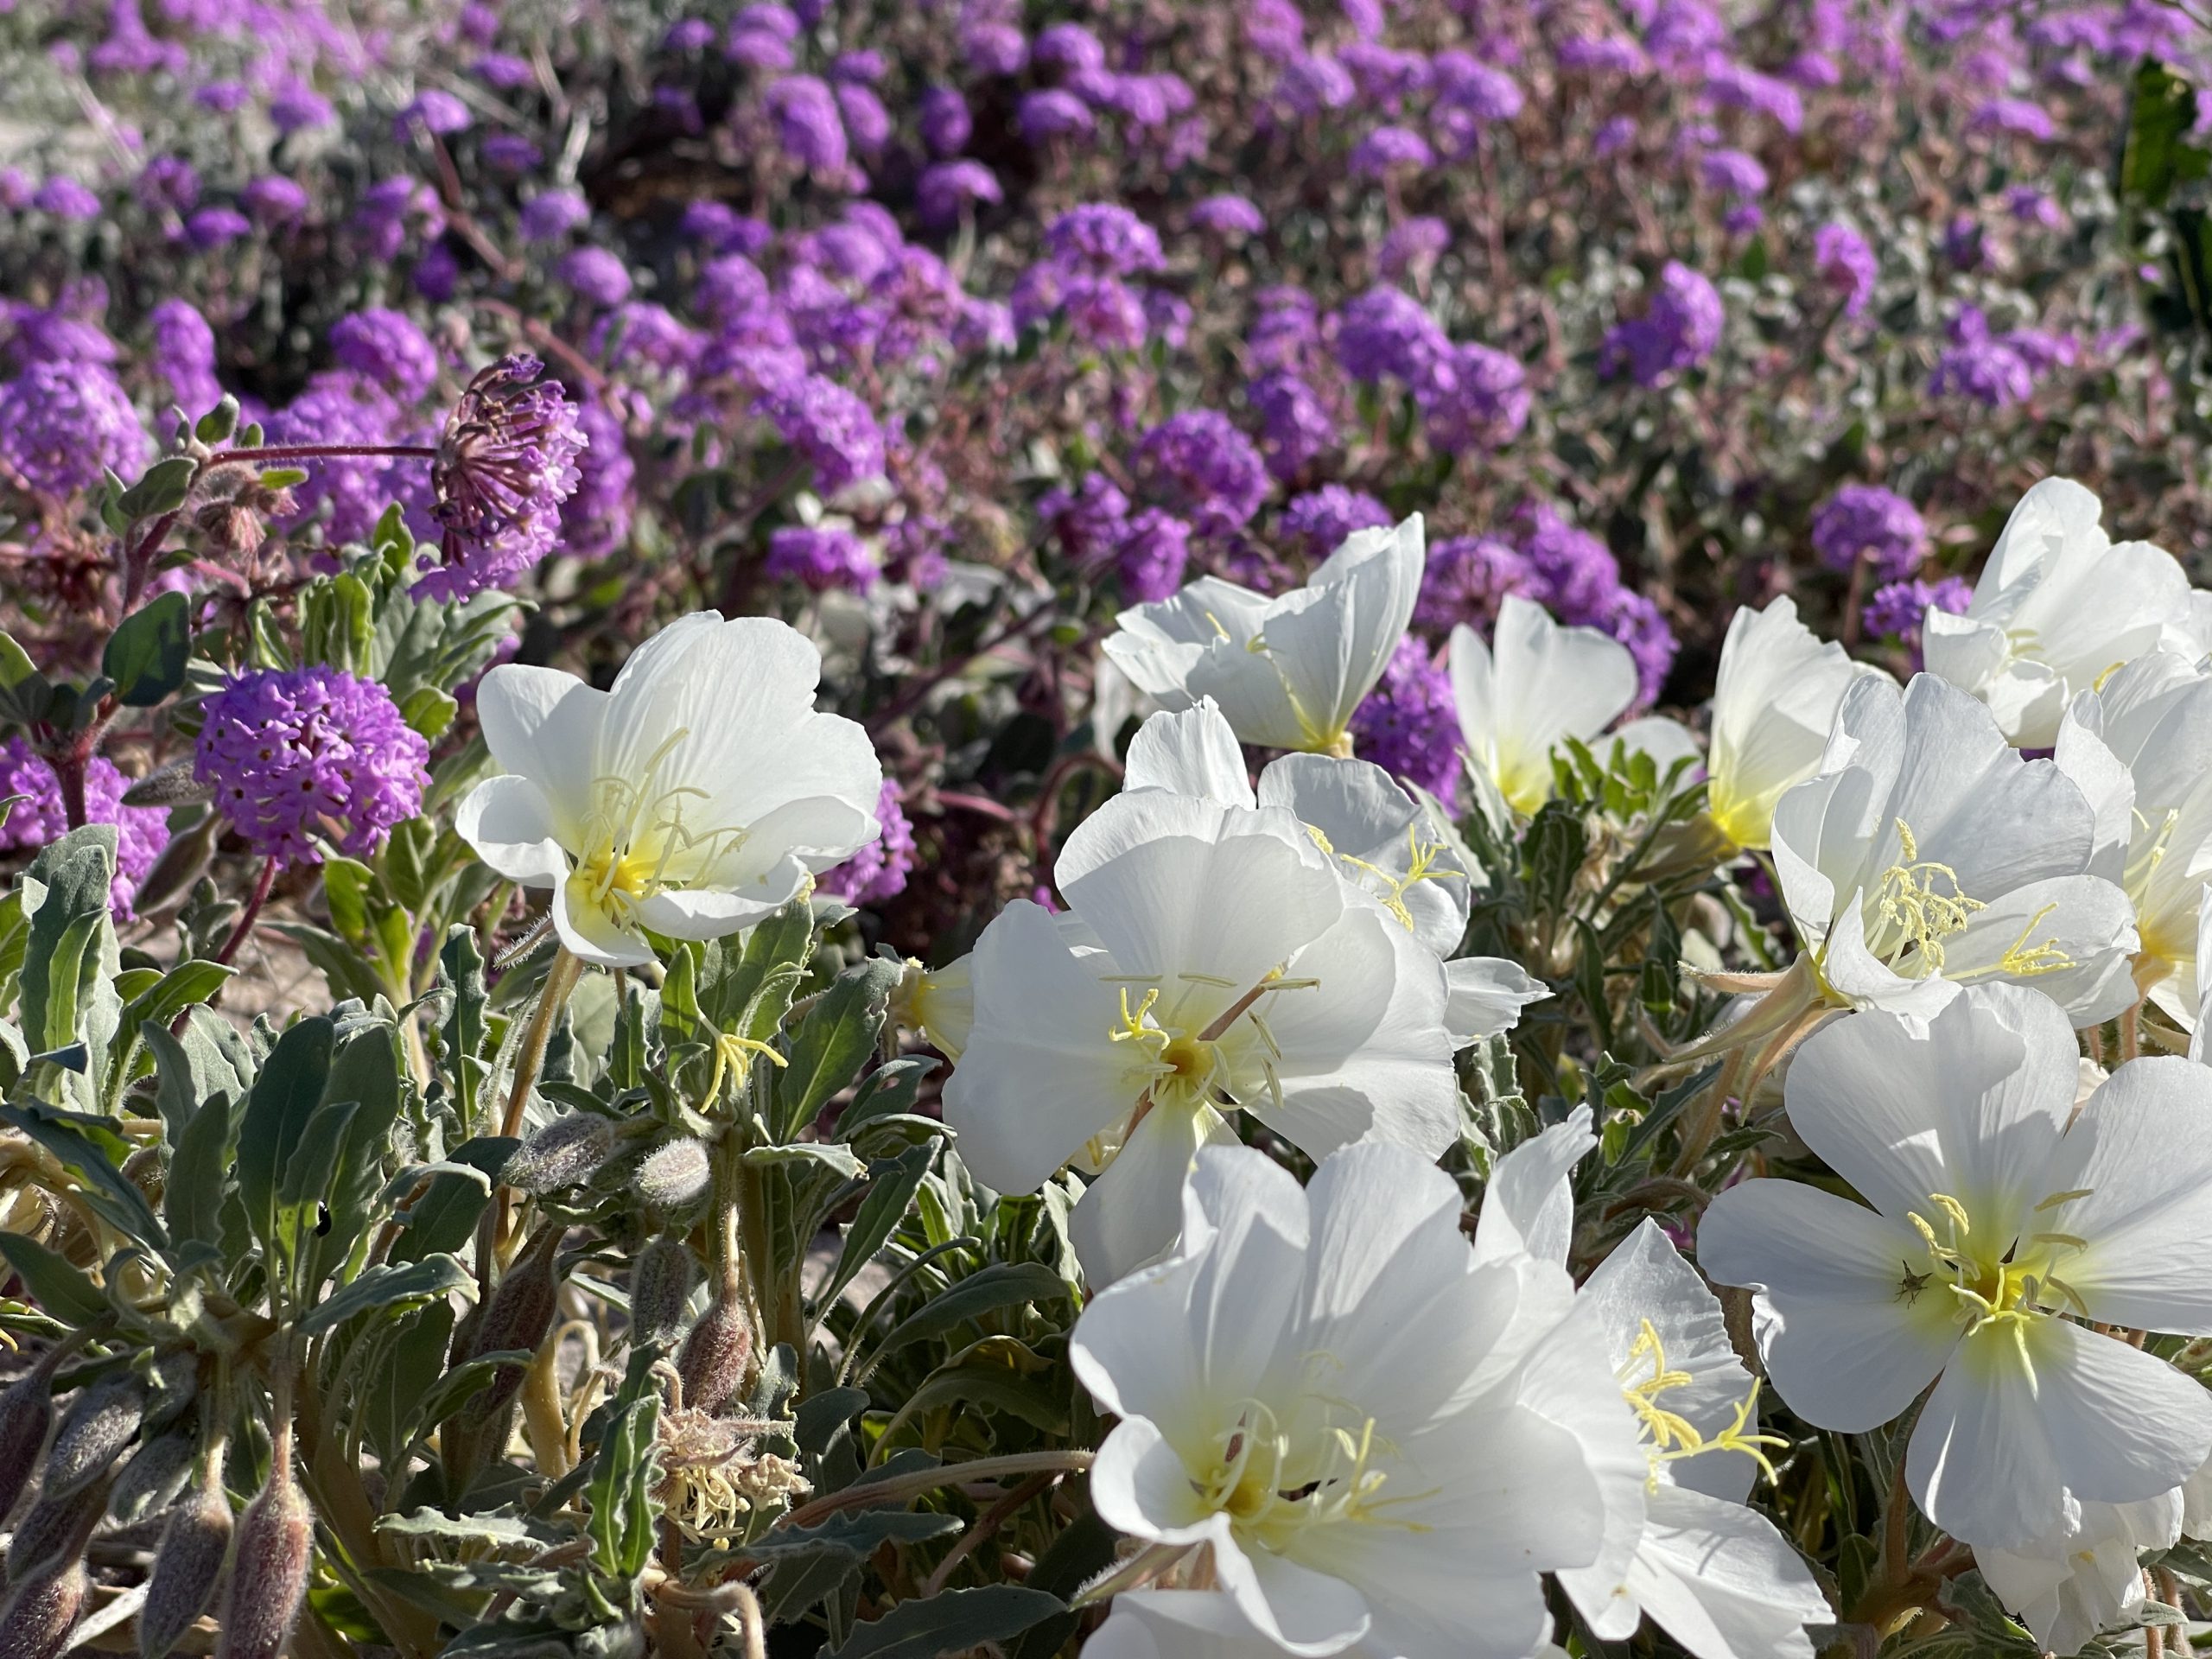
{"points": [[1343, 1421]]}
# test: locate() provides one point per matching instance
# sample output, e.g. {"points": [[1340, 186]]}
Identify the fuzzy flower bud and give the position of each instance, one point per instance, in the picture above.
{"points": [[676, 1174], [561, 1154], [718, 1352], [151, 1481], [101, 1423], [43, 1612], [269, 1578], [56, 1530], [517, 1318], [187, 1566], [660, 1288], [26, 1416]]}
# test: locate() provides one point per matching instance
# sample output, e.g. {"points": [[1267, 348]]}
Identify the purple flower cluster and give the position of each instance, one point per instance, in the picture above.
{"points": [[62, 423], [1409, 724], [40, 818], [1679, 328], [507, 461], [299, 756], [1898, 611], [820, 559], [879, 872], [1864, 522]]}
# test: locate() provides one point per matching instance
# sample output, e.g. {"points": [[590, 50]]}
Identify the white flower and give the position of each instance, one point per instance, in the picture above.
{"points": [[1994, 1226], [1774, 703], [1216, 958], [2071, 1586], [1372, 1443], [1717, 1577], [1288, 671], [696, 795], [1400, 852], [1537, 684], [1928, 854], [2140, 747], [2058, 607]]}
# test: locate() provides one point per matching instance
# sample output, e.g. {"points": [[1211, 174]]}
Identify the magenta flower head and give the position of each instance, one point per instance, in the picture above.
{"points": [[40, 817], [302, 754], [1864, 521], [61, 422], [507, 461]]}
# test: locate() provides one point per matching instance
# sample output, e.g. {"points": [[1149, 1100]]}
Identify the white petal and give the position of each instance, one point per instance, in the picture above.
{"points": [[544, 725], [1192, 751], [1140, 1486], [1723, 1581], [1132, 1214], [1177, 1624], [1528, 1207], [1309, 1611], [514, 828], [588, 932], [1845, 1348], [1486, 994]]}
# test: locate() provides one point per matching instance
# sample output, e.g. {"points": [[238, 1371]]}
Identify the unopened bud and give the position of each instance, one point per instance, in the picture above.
{"points": [[43, 1612], [675, 1175], [26, 1416], [231, 526], [660, 1289], [103, 1420], [717, 1352], [56, 1530], [561, 1154], [152, 1479], [187, 1566], [517, 1316], [269, 1577]]}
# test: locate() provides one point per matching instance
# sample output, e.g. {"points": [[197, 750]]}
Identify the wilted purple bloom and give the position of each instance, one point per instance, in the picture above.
{"points": [[1466, 578], [1052, 113], [808, 124], [1388, 148], [1383, 332], [1847, 265], [1202, 466], [41, 818], [1105, 238], [595, 275], [877, 873], [552, 214], [298, 755], [62, 424], [820, 558], [1154, 554], [434, 111], [67, 199], [1473, 398], [1320, 521], [829, 429], [1679, 329], [1862, 521], [1409, 724], [2013, 115], [945, 121], [1295, 426], [386, 347], [1227, 216], [507, 461]]}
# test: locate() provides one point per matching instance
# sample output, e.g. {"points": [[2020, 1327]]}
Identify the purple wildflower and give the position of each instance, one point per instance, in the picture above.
{"points": [[552, 214], [41, 818], [1153, 556], [507, 461], [434, 111], [808, 124], [1863, 521], [1386, 150], [1847, 265], [821, 558], [1103, 238], [295, 756], [1295, 425], [595, 274], [832, 430], [1320, 520], [1898, 611], [877, 873], [1678, 331], [945, 123], [1474, 398], [1201, 465], [184, 355], [62, 423], [1466, 579], [1053, 113], [1409, 724], [385, 346], [1230, 216], [1089, 520]]}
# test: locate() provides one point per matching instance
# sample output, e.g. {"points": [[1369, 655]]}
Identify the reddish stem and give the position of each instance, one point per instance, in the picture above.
{"points": [[266, 879]]}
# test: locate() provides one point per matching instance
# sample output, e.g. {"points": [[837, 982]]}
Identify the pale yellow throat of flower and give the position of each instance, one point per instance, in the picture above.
{"points": [[636, 833], [1996, 1284]]}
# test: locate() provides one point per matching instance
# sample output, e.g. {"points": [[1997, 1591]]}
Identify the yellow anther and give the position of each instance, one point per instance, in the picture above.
{"points": [[1219, 631], [731, 1052], [2024, 961], [1922, 904], [1673, 1436], [1957, 1212], [1132, 1029]]}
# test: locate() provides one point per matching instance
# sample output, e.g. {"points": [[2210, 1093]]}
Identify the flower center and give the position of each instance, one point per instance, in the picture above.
{"points": [[1919, 905], [1996, 1283], [1274, 1485], [636, 843]]}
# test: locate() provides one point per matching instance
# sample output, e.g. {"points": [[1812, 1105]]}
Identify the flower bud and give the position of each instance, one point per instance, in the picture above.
{"points": [[676, 1174], [42, 1613], [717, 1352], [26, 1416], [56, 1530], [269, 1577], [561, 1154], [517, 1316], [660, 1288], [101, 1421], [187, 1566], [151, 1482]]}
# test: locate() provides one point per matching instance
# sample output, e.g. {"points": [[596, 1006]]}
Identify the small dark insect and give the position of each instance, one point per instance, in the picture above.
{"points": [[1911, 1285]]}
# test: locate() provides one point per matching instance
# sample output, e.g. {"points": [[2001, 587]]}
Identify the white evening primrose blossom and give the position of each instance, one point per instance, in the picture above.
{"points": [[1533, 686], [699, 792], [1334, 1420], [1400, 852], [2058, 607], [1998, 1228], [1287, 672], [2071, 1587], [2140, 747], [1774, 703], [1928, 854], [1719, 1578], [1215, 959]]}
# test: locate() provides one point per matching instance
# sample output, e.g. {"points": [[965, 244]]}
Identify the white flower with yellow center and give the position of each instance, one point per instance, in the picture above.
{"points": [[1334, 1420], [2058, 607], [1995, 1236], [1774, 703], [2140, 746], [1716, 1576], [1400, 853], [698, 793], [1535, 685], [1928, 854], [1287, 672], [1215, 960]]}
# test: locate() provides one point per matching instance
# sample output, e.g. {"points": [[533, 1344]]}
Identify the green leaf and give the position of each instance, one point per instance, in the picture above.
{"points": [[430, 711], [834, 1041], [620, 1491], [2157, 153], [58, 1287], [460, 975], [887, 1092], [747, 985], [162, 489], [25, 692], [890, 1192], [388, 1285], [218, 422], [70, 956], [147, 654], [1003, 1284], [278, 1110], [950, 1622], [198, 1173], [92, 1152]]}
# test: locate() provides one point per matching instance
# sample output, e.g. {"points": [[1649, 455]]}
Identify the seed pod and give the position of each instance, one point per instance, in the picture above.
{"points": [[717, 1352], [660, 1289], [269, 1578], [104, 1420], [518, 1315], [676, 1174], [26, 1417], [187, 1566], [175, 1384], [151, 1482], [43, 1612], [561, 1154], [56, 1530]]}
